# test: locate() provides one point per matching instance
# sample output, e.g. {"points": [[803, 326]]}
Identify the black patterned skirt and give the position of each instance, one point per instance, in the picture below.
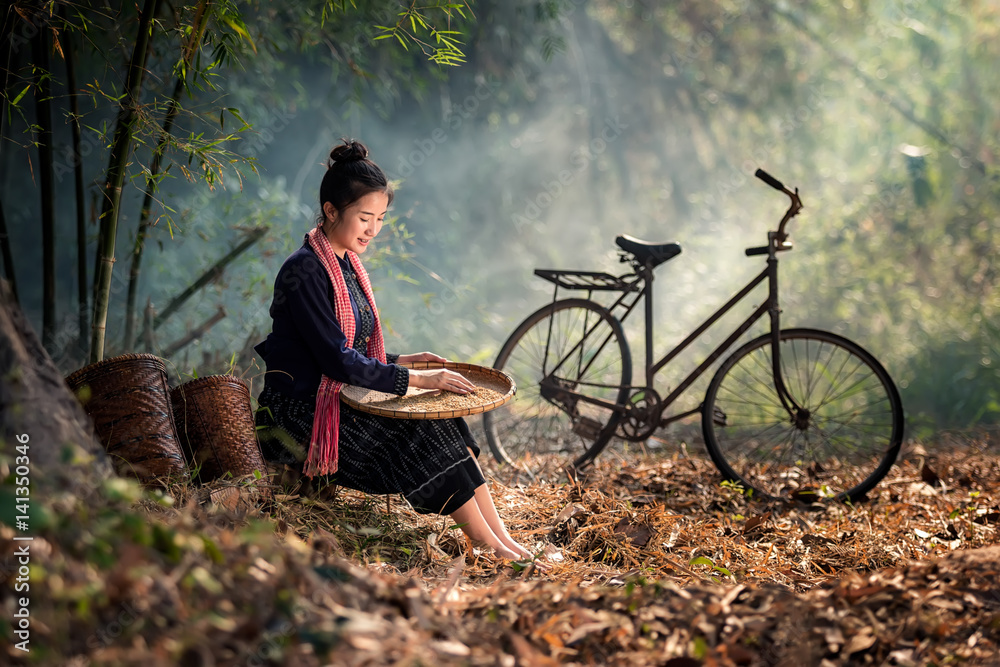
{"points": [[428, 461]]}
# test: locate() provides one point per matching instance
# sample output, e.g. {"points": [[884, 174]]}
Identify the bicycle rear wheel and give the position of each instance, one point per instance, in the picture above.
{"points": [[840, 445], [561, 354]]}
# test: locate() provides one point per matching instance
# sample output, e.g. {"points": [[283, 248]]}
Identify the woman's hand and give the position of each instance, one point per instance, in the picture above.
{"points": [[435, 378], [420, 356], [441, 378]]}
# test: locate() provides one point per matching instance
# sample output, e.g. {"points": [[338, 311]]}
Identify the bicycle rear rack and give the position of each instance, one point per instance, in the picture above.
{"points": [[589, 280]]}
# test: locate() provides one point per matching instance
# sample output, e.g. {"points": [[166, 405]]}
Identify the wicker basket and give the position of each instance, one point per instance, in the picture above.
{"points": [[128, 399], [216, 425]]}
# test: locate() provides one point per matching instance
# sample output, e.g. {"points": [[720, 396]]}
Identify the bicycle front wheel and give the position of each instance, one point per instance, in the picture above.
{"points": [[562, 355], [840, 443]]}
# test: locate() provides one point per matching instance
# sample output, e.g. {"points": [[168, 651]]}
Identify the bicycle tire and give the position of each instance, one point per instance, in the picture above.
{"points": [[532, 424], [845, 446]]}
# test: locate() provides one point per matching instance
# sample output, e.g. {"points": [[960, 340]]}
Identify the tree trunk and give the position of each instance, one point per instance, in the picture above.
{"points": [[8, 257], [120, 151], [6, 26], [36, 406], [43, 113]]}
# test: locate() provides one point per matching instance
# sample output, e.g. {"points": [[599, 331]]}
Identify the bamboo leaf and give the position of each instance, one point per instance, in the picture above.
{"points": [[18, 98], [56, 45], [236, 112], [241, 30]]}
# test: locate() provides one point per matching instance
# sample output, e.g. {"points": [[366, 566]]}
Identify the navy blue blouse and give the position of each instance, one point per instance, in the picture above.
{"points": [[306, 341]]}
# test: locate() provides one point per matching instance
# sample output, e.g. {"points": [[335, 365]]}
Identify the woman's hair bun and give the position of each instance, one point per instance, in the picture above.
{"points": [[349, 151]]}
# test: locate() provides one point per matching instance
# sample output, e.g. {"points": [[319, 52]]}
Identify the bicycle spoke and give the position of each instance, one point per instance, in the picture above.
{"points": [[804, 391], [792, 436], [830, 437], [875, 388], [839, 418], [760, 383], [780, 411], [832, 384], [854, 388]]}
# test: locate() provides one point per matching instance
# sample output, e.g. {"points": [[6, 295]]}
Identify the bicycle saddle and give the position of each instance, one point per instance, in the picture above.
{"points": [[649, 254]]}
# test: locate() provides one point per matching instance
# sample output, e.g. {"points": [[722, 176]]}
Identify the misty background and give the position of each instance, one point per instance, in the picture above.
{"points": [[569, 123]]}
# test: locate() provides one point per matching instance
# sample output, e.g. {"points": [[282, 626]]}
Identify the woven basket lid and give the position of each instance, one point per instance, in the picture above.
{"points": [[209, 383], [435, 404], [110, 367]]}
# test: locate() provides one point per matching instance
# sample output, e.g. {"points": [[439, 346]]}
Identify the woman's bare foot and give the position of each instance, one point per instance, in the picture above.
{"points": [[540, 561], [513, 545], [501, 550], [506, 553]]}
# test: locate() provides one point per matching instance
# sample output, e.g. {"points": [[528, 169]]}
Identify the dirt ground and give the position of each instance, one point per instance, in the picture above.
{"points": [[660, 565]]}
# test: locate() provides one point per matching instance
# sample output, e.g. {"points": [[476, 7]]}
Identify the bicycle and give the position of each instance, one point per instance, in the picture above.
{"points": [[799, 412]]}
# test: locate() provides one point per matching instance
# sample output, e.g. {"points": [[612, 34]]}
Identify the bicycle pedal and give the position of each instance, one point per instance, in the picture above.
{"points": [[719, 417]]}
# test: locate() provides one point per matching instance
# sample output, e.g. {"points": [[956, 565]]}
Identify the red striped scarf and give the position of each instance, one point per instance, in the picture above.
{"points": [[322, 459]]}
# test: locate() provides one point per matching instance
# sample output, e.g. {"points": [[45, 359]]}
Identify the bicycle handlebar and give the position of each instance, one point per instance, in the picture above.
{"points": [[769, 179], [778, 237], [792, 211]]}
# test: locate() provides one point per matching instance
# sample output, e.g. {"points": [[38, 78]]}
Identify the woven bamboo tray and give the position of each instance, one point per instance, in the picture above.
{"points": [[215, 423], [433, 404], [128, 399]]}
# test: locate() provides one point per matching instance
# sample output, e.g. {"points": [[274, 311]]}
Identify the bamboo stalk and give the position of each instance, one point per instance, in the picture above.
{"points": [[43, 113], [81, 211], [121, 148], [212, 273], [173, 108]]}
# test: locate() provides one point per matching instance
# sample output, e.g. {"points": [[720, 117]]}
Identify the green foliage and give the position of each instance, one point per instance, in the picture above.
{"points": [[704, 560], [881, 112], [413, 29], [194, 49]]}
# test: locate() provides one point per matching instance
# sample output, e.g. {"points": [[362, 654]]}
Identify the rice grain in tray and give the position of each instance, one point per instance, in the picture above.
{"points": [[438, 400]]}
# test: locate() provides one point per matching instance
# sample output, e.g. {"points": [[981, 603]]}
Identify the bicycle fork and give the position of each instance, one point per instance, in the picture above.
{"points": [[799, 414]]}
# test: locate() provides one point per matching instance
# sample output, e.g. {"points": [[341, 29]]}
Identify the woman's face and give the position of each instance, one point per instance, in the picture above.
{"points": [[354, 227]]}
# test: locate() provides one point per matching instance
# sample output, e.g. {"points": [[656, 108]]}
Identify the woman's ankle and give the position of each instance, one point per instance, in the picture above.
{"points": [[502, 550], [512, 543]]}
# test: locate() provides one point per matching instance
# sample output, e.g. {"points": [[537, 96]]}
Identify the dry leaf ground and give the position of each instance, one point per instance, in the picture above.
{"points": [[662, 565]]}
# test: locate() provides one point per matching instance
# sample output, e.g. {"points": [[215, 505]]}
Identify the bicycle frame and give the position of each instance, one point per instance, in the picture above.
{"points": [[776, 243]]}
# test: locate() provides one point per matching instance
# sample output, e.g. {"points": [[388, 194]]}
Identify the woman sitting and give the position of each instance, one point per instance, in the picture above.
{"points": [[326, 333]]}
